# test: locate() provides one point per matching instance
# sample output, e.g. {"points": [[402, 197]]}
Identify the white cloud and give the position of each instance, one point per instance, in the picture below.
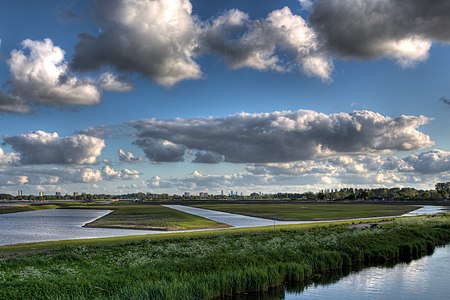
{"points": [[110, 82], [41, 147], [41, 76], [8, 158], [156, 39], [280, 136], [129, 157], [126, 174], [257, 43]]}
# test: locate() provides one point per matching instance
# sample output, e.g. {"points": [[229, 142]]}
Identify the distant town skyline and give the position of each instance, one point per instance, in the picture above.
{"points": [[198, 96]]}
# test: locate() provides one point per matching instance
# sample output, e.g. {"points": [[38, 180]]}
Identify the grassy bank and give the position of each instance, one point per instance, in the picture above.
{"points": [[129, 215], [24, 207], [205, 265], [311, 211], [151, 217]]}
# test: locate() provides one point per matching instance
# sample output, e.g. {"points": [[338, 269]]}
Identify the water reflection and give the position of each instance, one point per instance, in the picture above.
{"points": [[55, 224], [425, 278]]}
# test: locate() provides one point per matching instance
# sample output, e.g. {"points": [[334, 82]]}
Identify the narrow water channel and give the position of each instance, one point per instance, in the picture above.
{"points": [[424, 278]]}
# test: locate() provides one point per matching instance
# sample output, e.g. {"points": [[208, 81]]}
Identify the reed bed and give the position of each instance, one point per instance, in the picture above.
{"points": [[214, 265]]}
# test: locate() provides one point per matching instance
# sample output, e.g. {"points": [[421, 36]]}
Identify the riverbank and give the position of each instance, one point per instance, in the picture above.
{"points": [[204, 265]]}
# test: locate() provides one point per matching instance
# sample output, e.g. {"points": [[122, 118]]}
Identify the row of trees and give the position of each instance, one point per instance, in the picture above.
{"points": [[442, 191]]}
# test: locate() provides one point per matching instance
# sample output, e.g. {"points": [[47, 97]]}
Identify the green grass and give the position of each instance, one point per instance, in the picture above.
{"points": [[131, 216], [291, 212], [24, 207], [207, 265], [151, 217]]}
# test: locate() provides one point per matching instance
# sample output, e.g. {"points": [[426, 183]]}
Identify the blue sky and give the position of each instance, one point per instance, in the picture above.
{"points": [[173, 96]]}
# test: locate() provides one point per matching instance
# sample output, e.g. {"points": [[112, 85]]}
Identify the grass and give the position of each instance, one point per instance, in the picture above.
{"points": [[152, 217], [291, 212], [131, 216], [206, 265], [25, 207]]}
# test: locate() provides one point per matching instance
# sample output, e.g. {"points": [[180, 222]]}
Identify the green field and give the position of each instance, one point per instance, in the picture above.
{"points": [[24, 207], [131, 216], [207, 265], [151, 217], [302, 212]]}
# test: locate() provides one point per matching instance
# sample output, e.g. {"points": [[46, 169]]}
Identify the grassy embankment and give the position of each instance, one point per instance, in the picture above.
{"points": [[24, 207], [331, 211], [131, 216], [153, 217], [204, 265]]}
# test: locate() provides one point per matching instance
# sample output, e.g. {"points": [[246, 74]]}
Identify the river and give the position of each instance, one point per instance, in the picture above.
{"points": [[424, 278]]}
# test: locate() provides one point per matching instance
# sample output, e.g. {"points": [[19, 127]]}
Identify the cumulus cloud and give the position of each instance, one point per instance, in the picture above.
{"points": [[41, 76], [243, 42], [110, 82], [41, 147], [204, 157], [433, 161], [156, 39], [161, 150], [402, 30], [13, 104], [280, 136], [26, 175], [129, 157], [362, 171], [8, 158], [126, 174]]}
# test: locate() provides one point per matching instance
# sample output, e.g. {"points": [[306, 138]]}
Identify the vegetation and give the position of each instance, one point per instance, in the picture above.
{"points": [[314, 211], [154, 217], [132, 216], [441, 192], [206, 265], [21, 208]]}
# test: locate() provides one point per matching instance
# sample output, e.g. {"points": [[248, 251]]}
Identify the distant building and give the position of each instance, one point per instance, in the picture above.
{"points": [[58, 194], [222, 193], [75, 194], [186, 194], [20, 193], [203, 195], [41, 194]]}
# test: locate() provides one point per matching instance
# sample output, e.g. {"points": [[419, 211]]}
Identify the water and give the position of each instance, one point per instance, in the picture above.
{"points": [[425, 278], [55, 224]]}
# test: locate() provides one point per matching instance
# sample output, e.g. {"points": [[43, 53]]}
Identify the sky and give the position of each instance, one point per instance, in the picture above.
{"points": [[174, 96]]}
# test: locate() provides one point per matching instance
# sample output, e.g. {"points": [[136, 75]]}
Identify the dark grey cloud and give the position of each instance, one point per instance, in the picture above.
{"points": [[13, 104], [161, 150], [402, 29], [40, 147], [280, 136], [153, 38], [204, 157], [445, 100]]}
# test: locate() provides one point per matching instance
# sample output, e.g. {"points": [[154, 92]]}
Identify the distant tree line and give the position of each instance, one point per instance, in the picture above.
{"points": [[441, 191]]}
